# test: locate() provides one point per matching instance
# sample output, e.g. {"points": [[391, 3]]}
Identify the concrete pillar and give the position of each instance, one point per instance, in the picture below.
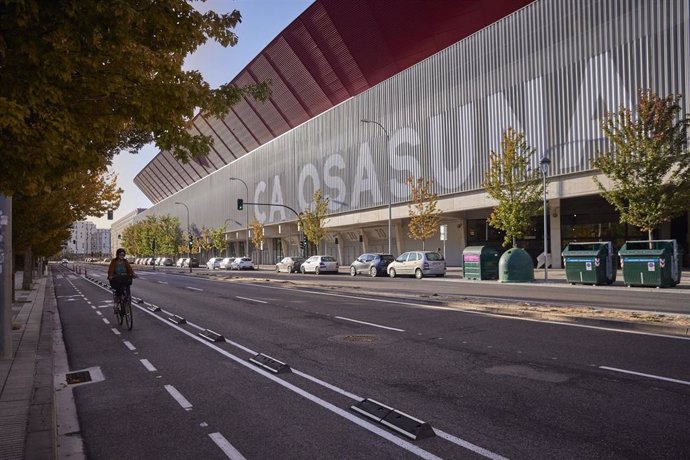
{"points": [[397, 228], [339, 248], [555, 232]]}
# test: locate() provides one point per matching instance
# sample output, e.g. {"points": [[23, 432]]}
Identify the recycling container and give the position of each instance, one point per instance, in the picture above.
{"points": [[480, 263], [515, 266], [651, 263], [590, 263]]}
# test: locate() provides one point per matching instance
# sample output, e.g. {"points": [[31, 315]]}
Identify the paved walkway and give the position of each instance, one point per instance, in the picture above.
{"points": [[27, 416]]}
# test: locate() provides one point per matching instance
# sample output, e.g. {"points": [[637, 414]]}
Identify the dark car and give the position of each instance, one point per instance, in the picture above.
{"points": [[290, 264], [372, 264], [193, 263]]}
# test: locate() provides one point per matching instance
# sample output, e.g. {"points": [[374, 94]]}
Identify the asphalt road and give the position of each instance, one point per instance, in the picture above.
{"points": [[489, 386]]}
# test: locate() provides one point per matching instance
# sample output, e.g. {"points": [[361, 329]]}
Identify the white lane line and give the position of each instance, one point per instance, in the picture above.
{"points": [[181, 400], [129, 345], [147, 364], [105, 320], [370, 324], [99, 313], [115, 331], [193, 288], [315, 399], [478, 313], [226, 447], [651, 376], [162, 282], [251, 300]]}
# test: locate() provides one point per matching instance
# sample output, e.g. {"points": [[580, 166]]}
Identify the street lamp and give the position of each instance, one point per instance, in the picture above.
{"points": [[544, 164], [189, 234], [390, 191], [247, 211]]}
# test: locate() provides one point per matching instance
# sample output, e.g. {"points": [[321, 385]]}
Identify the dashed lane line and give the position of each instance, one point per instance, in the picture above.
{"points": [[147, 364], [129, 345], [177, 396], [640, 374], [193, 288], [251, 300], [371, 324], [226, 447]]}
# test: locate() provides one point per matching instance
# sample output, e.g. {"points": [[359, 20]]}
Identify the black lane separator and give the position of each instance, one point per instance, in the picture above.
{"points": [[394, 419], [270, 364]]}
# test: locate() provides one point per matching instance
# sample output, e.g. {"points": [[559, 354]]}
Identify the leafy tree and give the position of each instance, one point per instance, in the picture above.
{"points": [[204, 239], [423, 211], [83, 80], [218, 240], [517, 188], [648, 164], [168, 235], [314, 219], [257, 233]]}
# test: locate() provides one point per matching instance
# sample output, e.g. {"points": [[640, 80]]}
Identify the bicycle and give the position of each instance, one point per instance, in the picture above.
{"points": [[124, 312]]}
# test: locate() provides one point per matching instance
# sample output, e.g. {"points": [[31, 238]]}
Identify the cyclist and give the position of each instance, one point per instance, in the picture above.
{"points": [[120, 275]]}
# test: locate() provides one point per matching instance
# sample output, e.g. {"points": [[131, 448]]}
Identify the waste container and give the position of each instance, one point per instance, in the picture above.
{"points": [[590, 263], [480, 263], [651, 263], [515, 266]]}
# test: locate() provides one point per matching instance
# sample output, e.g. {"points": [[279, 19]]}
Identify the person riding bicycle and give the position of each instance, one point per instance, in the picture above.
{"points": [[120, 275]]}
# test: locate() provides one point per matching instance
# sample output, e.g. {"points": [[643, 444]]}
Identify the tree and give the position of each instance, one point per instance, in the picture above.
{"points": [[517, 188], [83, 80], [257, 233], [314, 219], [423, 211], [218, 240], [648, 164]]}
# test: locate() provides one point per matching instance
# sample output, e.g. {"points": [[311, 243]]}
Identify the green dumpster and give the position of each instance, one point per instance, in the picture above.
{"points": [[480, 263], [651, 263], [590, 263]]}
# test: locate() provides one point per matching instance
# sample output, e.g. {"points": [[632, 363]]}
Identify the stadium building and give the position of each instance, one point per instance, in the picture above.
{"points": [[438, 82]]}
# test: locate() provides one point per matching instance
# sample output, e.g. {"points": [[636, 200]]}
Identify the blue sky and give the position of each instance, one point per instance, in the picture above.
{"points": [[262, 20]]}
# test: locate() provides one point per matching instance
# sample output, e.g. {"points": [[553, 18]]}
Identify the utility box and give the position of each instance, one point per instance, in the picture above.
{"points": [[651, 263], [480, 263], [590, 263]]}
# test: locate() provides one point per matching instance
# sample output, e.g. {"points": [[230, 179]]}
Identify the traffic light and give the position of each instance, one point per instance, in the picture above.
{"points": [[240, 204], [301, 244], [191, 241]]}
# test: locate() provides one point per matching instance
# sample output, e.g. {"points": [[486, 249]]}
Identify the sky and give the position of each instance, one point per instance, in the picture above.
{"points": [[262, 21]]}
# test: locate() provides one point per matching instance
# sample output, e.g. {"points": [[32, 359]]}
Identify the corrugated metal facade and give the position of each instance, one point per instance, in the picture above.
{"points": [[551, 70]]}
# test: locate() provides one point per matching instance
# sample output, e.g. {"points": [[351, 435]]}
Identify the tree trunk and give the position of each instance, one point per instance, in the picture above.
{"points": [[514, 242], [28, 269], [649, 234]]}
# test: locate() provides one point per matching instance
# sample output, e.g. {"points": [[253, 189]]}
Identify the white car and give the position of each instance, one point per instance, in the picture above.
{"points": [[242, 263], [319, 264], [418, 264], [225, 263], [179, 262], [213, 263]]}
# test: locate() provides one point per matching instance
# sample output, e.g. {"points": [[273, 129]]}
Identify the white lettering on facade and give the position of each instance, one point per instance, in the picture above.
{"points": [[401, 164], [335, 182], [308, 171], [276, 198], [442, 146], [365, 179], [258, 191]]}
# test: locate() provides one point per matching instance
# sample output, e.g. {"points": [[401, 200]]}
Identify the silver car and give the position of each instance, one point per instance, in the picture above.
{"points": [[418, 264], [289, 264], [213, 263], [319, 264]]}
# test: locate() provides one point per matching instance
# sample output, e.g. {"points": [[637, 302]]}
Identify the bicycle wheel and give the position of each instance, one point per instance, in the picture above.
{"points": [[119, 314], [129, 319]]}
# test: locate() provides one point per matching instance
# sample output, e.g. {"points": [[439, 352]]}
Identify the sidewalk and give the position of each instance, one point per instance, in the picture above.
{"points": [[27, 415]]}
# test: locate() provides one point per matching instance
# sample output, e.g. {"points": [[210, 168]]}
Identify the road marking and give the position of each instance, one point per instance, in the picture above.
{"points": [[370, 324], [226, 447], [147, 364], [651, 376], [181, 400], [315, 399], [162, 282], [115, 331], [105, 320], [193, 288], [251, 300], [129, 345], [98, 312]]}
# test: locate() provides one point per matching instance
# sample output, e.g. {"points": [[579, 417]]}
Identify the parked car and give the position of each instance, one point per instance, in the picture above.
{"points": [[193, 262], [64, 261], [290, 264], [185, 262], [319, 264], [180, 262], [213, 263], [167, 262], [226, 262], [372, 264], [242, 263], [418, 264]]}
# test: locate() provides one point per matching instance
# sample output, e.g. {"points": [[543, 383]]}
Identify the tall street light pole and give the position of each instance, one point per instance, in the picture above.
{"points": [[246, 188], [390, 188], [189, 235], [544, 164]]}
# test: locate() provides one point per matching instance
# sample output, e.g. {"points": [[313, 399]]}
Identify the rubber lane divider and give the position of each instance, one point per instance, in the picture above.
{"points": [[153, 308], [394, 419], [270, 364], [211, 336], [176, 319]]}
